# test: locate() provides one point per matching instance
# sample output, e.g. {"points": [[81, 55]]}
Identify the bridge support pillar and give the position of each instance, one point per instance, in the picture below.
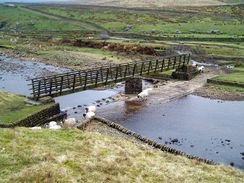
{"points": [[133, 86]]}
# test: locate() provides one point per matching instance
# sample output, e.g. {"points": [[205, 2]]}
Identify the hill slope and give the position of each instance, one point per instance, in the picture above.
{"points": [[75, 156], [157, 3]]}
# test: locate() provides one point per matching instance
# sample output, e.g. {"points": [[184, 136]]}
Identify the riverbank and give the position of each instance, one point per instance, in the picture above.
{"points": [[215, 92]]}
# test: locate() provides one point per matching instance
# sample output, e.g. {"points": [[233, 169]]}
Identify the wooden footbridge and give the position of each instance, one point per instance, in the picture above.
{"points": [[65, 83]]}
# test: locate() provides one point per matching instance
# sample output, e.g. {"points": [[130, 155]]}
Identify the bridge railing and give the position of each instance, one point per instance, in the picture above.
{"points": [[81, 80]]}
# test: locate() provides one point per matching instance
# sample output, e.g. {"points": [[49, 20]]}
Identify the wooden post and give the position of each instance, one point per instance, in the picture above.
{"points": [[116, 74], [142, 67], [56, 84], [134, 69], [85, 82], [68, 79], [184, 59], [174, 62], [156, 66], [80, 78], [61, 85], [107, 74], [33, 88], [96, 78], [180, 61], [125, 73], [169, 62], [51, 87], [101, 74], [189, 57], [74, 81], [149, 67], [162, 66], [39, 89]]}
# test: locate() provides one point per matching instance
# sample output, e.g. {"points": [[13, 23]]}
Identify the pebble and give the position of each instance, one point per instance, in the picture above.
{"points": [[232, 164], [79, 106], [160, 138], [242, 153]]}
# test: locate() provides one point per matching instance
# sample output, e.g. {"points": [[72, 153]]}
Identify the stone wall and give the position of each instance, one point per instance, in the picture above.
{"points": [[152, 143], [133, 86], [39, 118]]}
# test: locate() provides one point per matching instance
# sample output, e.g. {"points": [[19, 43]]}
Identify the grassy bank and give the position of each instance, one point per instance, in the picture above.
{"points": [[26, 156], [13, 107]]}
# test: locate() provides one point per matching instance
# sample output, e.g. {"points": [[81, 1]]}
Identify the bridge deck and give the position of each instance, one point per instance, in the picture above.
{"points": [[61, 84]]}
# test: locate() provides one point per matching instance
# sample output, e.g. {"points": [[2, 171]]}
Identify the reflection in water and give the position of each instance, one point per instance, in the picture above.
{"points": [[211, 129]]}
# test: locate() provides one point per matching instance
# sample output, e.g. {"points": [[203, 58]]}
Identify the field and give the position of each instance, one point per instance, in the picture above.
{"points": [[92, 157], [13, 107]]}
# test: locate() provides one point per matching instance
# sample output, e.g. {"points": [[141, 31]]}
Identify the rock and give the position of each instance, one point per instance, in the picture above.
{"points": [[227, 140], [79, 106], [232, 164], [191, 146], [160, 138], [69, 123], [242, 153], [36, 128], [174, 140]]}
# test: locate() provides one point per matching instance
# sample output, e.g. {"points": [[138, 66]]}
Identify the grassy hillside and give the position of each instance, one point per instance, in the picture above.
{"points": [[75, 156], [201, 22], [13, 107], [157, 3], [16, 18]]}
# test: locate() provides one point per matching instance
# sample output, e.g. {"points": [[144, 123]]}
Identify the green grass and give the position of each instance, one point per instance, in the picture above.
{"points": [[24, 20], [75, 156], [13, 107], [227, 88], [228, 20]]}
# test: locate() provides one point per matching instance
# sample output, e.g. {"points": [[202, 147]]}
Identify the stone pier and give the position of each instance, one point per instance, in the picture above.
{"points": [[133, 86]]}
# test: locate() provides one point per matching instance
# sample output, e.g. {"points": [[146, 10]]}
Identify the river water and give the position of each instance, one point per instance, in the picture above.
{"points": [[211, 129], [14, 74]]}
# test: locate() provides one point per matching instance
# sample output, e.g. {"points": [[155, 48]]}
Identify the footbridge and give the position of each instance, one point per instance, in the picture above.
{"points": [[70, 82]]}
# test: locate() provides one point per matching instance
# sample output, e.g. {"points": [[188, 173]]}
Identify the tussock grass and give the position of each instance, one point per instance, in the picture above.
{"points": [[75, 156]]}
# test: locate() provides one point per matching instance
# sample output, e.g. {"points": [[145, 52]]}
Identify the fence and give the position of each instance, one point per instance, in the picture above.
{"points": [[61, 84]]}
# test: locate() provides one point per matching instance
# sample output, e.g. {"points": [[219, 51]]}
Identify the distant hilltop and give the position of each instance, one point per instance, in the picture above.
{"points": [[157, 3], [135, 3]]}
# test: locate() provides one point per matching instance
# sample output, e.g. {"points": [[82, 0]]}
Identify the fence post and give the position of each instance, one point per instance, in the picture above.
{"points": [[96, 78], [169, 62], [116, 74], [174, 62], [189, 57], [134, 69], [61, 85], [142, 67], [101, 73], [180, 61], [149, 67], [74, 81], [156, 66], [125, 71], [85, 82], [51, 87], [39, 89], [33, 88], [184, 59], [107, 76], [162, 66]]}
